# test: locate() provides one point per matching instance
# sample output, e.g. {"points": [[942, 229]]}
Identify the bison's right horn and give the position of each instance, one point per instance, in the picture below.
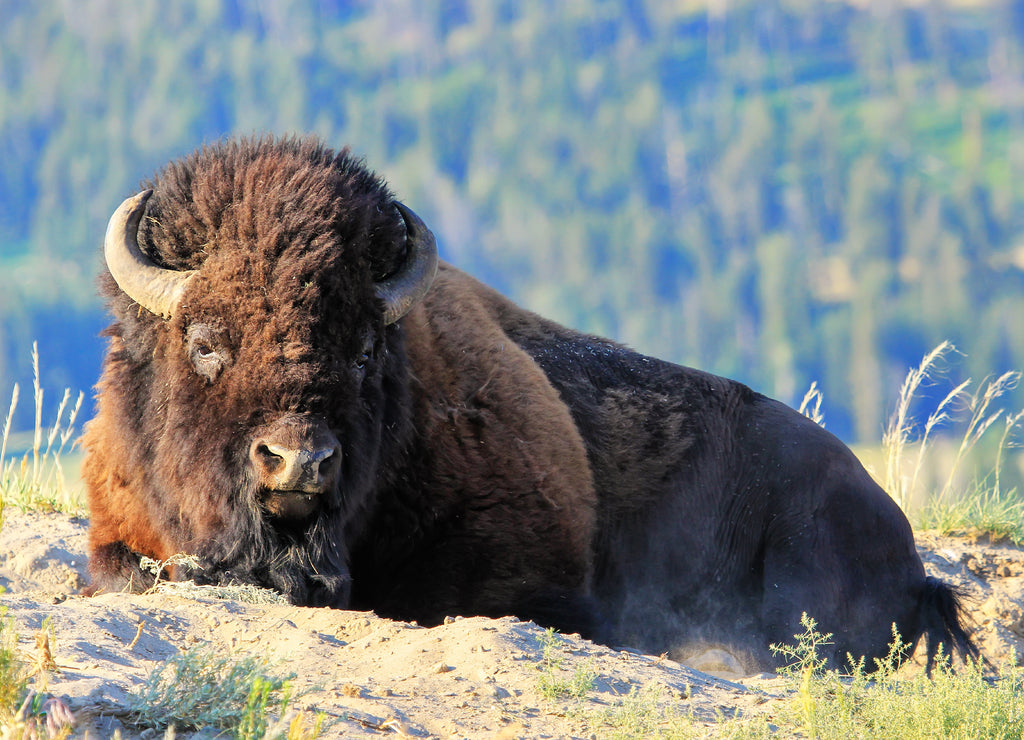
{"points": [[402, 290], [155, 288]]}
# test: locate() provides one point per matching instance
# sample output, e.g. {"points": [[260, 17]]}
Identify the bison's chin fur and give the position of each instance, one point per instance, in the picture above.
{"points": [[302, 558]]}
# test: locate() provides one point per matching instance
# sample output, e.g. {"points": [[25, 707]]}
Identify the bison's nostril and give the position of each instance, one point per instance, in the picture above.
{"points": [[267, 458], [322, 460]]}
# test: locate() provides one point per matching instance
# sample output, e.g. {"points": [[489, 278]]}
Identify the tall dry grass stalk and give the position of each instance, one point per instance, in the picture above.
{"points": [[899, 433], [42, 481], [810, 406], [3, 447], [908, 446]]}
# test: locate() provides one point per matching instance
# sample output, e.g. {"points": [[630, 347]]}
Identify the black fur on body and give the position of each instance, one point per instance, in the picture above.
{"points": [[490, 461]]}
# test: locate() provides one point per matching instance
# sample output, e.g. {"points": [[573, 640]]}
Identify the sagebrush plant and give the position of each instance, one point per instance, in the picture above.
{"points": [[36, 480], [210, 688]]}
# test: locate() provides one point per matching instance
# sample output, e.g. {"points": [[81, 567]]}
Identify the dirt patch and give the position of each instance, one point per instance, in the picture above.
{"points": [[472, 677]]}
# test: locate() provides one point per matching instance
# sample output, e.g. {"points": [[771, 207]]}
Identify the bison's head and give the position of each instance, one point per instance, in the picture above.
{"points": [[257, 364]]}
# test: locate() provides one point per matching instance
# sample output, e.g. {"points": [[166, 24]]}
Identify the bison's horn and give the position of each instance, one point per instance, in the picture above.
{"points": [[409, 284], [155, 288]]}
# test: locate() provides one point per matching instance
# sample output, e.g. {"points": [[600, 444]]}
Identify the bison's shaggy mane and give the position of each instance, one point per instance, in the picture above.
{"points": [[289, 239]]}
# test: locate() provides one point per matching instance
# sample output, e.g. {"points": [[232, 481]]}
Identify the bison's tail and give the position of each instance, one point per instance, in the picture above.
{"points": [[943, 620]]}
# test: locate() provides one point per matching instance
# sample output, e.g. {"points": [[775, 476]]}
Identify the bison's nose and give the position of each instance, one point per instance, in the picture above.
{"points": [[307, 465], [286, 469]]}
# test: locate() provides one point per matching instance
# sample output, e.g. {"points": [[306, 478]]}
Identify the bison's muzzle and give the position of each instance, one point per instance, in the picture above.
{"points": [[296, 461]]}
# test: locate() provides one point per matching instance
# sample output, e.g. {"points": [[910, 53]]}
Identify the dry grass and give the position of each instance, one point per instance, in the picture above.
{"points": [[931, 469], [810, 406], [245, 593], [37, 479]]}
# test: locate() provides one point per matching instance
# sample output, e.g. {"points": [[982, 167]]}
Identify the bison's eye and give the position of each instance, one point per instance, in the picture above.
{"points": [[206, 351], [365, 356]]}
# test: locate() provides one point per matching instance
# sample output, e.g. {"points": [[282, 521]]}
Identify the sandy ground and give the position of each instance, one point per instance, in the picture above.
{"points": [[469, 678]]}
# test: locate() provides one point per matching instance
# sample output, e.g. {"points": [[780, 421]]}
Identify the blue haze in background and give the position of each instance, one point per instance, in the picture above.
{"points": [[780, 191]]}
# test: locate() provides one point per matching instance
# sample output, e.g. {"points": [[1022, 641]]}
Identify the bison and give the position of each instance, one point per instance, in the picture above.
{"points": [[300, 394]]}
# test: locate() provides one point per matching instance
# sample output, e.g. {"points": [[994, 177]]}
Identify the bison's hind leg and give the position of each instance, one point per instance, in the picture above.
{"points": [[854, 603], [114, 568]]}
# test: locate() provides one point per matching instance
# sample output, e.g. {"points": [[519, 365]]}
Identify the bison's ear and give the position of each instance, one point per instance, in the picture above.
{"points": [[156, 289], [411, 281]]}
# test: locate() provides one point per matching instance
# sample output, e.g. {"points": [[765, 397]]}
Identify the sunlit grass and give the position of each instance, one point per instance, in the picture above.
{"points": [[38, 479], [814, 701], [209, 688], [13, 673], [889, 703], [27, 711], [947, 473]]}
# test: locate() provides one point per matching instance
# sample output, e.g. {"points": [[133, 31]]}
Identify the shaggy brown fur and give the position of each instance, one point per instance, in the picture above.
{"points": [[492, 462], [290, 239]]}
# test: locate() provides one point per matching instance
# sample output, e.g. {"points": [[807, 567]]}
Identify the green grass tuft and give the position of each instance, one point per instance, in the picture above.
{"points": [[13, 674], [987, 509]]}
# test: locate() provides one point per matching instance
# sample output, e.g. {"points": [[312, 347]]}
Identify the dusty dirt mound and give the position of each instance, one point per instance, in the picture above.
{"points": [[469, 678], [991, 577]]}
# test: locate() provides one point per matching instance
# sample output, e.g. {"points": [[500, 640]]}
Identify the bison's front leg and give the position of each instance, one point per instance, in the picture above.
{"points": [[113, 567], [120, 528]]}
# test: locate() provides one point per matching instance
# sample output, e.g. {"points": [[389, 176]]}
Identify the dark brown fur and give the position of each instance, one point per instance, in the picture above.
{"points": [[492, 461]]}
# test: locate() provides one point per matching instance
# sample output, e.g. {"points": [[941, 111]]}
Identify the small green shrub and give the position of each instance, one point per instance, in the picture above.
{"points": [[206, 687], [28, 712], [553, 684], [640, 714]]}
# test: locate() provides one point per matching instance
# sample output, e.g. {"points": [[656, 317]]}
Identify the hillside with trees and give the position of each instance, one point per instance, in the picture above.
{"points": [[776, 190]]}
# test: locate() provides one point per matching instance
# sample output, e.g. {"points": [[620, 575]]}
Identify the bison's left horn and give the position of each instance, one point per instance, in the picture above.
{"points": [[155, 288], [409, 284]]}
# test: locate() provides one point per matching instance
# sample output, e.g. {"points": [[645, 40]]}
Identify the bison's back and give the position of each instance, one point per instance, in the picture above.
{"points": [[724, 516]]}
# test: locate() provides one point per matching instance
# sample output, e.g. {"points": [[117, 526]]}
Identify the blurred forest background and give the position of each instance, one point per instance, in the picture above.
{"points": [[779, 191]]}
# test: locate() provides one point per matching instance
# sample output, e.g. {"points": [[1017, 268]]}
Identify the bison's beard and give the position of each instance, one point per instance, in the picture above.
{"points": [[307, 561]]}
